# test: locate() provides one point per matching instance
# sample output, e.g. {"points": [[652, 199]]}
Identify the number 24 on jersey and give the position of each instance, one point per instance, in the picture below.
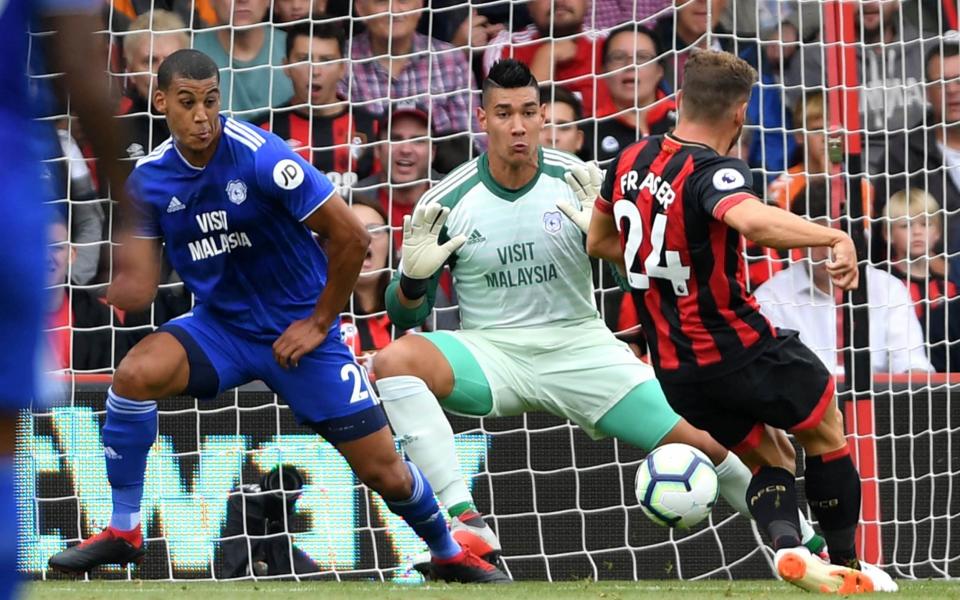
{"points": [[672, 270]]}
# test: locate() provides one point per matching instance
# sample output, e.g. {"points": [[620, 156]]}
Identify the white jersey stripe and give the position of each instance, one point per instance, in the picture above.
{"points": [[242, 131], [157, 153], [248, 128], [245, 141], [446, 186]]}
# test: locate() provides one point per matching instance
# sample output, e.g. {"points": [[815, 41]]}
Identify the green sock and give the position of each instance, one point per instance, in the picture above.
{"points": [[458, 509]]}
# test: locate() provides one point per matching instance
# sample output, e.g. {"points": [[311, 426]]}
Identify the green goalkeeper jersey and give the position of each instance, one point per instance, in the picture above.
{"points": [[524, 263]]}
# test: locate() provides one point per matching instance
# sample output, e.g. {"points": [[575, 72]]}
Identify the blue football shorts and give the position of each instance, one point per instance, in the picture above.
{"points": [[328, 391]]}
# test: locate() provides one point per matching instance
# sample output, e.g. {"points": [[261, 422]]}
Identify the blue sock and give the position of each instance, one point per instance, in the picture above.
{"points": [[9, 578], [128, 433], [422, 514]]}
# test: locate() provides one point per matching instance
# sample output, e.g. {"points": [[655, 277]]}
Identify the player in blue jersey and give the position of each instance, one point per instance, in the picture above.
{"points": [[237, 211], [23, 252]]}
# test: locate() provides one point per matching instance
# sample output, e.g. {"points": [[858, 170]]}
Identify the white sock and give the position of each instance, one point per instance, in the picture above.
{"points": [[425, 434], [734, 478], [806, 530]]}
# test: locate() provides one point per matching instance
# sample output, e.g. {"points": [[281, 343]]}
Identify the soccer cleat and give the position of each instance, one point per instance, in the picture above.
{"points": [[471, 532], [109, 547], [804, 570], [882, 582], [466, 567]]}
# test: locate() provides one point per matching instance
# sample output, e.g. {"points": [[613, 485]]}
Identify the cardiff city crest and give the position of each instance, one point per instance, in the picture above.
{"points": [[236, 191], [552, 221]]}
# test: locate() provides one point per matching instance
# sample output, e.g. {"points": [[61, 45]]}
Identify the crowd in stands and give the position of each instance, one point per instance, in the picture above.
{"points": [[381, 96]]}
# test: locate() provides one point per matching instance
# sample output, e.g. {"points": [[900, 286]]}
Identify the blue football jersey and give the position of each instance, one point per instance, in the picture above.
{"points": [[234, 229]]}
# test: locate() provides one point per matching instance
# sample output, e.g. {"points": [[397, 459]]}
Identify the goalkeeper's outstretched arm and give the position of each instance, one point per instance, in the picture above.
{"points": [[413, 291]]}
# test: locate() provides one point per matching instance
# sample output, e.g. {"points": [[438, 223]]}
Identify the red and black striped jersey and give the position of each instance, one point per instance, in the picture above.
{"points": [[668, 198], [341, 147]]}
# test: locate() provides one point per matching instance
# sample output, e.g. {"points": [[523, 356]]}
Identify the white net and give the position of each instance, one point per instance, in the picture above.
{"points": [[391, 111]]}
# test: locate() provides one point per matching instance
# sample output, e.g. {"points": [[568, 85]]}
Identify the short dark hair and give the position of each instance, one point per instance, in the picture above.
{"points": [[186, 63], [714, 82], [555, 93], [324, 30], [815, 203], [950, 48], [632, 28], [508, 73]]}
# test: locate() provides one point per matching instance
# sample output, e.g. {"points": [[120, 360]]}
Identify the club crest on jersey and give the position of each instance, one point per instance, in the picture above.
{"points": [[236, 191], [728, 179], [552, 221]]}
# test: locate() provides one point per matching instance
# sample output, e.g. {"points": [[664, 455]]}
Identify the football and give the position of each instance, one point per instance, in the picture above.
{"points": [[676, 486]]}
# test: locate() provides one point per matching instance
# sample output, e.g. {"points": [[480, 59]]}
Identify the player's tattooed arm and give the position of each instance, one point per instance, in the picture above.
{"points": [[346, 242]]}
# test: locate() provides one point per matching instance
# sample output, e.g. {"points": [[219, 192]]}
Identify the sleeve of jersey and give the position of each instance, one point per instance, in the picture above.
{"points": [[720, 184], [408, 318], [283, 174], [145, 220], [604, 202]]}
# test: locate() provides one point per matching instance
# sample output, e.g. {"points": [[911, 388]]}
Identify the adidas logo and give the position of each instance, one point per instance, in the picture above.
{"points": [[175, 205], [475, 237], [111, 453]]}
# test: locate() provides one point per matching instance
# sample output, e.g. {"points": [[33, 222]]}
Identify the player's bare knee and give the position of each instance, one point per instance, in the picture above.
{"points": [[394, 360], [132, 379], [391, 479]]}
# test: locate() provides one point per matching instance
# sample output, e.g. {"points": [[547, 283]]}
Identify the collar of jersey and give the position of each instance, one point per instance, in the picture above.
{"points": [[223, 122], [504, 193]]}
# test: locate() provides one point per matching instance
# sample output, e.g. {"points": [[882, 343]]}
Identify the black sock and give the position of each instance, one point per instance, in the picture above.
{"points": [[833, 491], [772, 497]]}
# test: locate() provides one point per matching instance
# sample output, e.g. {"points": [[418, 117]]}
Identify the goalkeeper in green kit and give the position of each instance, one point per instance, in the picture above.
{"points": [[511, 225]]}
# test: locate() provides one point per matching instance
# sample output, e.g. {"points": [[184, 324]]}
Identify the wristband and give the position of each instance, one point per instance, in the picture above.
{"points": [[413, 289]]}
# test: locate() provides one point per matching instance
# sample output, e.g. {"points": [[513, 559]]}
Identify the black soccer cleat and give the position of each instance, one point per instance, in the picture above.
{"points": [[466, 567], [109, 547]]}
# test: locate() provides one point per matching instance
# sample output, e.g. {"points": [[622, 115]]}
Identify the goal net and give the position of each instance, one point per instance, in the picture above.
{"points": [[856, 110]]}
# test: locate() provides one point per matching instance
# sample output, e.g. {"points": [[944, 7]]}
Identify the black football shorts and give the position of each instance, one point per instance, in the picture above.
{"points": [[786, 387]]}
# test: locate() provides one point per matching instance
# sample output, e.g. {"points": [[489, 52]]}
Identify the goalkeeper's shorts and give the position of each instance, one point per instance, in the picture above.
{"points": [[328, 391], [578, 373], [787, 387]]}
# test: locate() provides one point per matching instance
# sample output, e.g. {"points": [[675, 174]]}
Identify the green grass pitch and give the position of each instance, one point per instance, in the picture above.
{"points": [[642, 590]]}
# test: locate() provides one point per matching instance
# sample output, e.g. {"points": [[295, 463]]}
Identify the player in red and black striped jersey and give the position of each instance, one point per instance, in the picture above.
{"points": [[318, 125], [670, 215]]}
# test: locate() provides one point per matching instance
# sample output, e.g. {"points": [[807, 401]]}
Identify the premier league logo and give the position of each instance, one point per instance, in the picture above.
{"points": [[236, 191], [552, 221]]}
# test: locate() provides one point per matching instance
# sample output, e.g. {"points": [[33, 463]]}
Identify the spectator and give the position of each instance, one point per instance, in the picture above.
{"points": [[802, 298], [607, 14], [927, 156], [391, 61], [285, 11], [152, 38], [405, 154], [87, 217], [687, 28], [889, 63], [79, 322], [563, 114], [557, 47], [316, 122], [249, 57], [369, 328], [630, 101], [814, 161], [913, 228]]}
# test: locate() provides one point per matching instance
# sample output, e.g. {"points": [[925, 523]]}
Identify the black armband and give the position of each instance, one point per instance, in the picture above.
{"points": [[413, 289]]}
